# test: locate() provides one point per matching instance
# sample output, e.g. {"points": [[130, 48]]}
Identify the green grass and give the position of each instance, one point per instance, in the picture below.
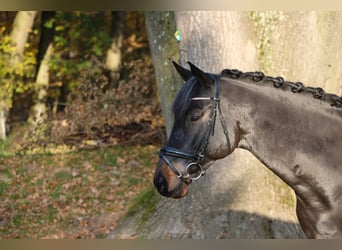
{"points": [[146, 202], [3, 188], [132, 181], [56, 192], [4, 151], [39, 182], [63, 176], [17, 220]]}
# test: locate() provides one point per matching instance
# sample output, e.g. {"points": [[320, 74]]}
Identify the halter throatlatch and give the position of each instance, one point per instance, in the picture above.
{"points": [[194, 169]]}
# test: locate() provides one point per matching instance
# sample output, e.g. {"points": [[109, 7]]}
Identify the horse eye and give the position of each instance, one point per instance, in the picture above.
{"points": [[194, 118]]}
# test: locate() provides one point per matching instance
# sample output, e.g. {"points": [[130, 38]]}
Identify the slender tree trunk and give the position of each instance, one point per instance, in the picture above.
{"points": [[2, 124], [38, 112], [22, 26], [113, 55], [161, 28]]}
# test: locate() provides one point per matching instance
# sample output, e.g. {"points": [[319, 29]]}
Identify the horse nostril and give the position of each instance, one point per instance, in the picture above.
{"points": [[161, 184]]}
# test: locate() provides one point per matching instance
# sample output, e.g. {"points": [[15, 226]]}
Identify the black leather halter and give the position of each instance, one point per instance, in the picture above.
{"points": [[194, 169]]}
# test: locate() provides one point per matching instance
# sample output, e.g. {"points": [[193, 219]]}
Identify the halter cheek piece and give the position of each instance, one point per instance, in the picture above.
{"points": [[194, 169]]}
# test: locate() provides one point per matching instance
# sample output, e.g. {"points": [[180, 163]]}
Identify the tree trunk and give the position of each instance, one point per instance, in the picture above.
{"points": [[2, 123], [161, 28], [312, 41], [239, 197], [38, 111], [113, 55], [21, 28]]}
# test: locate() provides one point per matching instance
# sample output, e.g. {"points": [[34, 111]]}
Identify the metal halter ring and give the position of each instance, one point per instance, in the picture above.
{"points": [[194, 174]]}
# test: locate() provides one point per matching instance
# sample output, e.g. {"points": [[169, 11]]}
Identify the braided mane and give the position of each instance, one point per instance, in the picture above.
{"points": [[279, 82]]}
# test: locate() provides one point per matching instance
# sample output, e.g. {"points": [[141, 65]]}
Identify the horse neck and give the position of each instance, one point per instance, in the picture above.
{"points": [[292, 134]]}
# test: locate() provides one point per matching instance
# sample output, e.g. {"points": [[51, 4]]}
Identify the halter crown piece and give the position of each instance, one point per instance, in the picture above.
{"points": [[194, 169]]}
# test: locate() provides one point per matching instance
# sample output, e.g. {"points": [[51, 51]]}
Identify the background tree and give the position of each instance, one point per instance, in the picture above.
{"points": [[12, 59], [38, 111], [114, 54], [22, 26]]}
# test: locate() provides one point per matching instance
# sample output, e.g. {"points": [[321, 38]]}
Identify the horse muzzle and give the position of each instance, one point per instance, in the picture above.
{"points": [[168, 184], [193, 168]]}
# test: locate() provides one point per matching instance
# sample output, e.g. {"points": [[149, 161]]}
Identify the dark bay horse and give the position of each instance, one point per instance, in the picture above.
{"points": [[295, 131]]}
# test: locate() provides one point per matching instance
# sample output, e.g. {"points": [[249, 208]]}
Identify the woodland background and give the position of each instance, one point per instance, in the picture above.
{"points": [[70, 76], [80, 121]]}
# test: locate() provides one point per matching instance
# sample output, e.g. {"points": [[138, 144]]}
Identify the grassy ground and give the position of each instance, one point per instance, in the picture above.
{"points": [[79, 194]]}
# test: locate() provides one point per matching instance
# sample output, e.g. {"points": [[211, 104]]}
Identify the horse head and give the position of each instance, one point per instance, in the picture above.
{"points": [[194, 143]]}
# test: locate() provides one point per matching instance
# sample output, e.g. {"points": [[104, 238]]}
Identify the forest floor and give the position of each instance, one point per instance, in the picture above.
{"points": [[71, 194]]}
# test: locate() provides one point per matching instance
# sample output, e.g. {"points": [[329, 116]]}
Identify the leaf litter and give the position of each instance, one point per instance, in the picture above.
{"points": [[72, 195]]}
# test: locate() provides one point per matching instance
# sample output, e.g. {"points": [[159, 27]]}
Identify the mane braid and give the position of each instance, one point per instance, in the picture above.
{"points": [[279, 82]]}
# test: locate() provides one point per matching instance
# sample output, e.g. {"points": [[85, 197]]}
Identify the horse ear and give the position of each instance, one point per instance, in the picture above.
{"points": [[203, 77], [183, 72]]}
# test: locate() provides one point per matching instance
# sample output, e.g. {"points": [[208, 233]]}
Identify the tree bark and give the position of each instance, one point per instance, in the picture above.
{"points": [[161, 27], [22, 25], [312, 42], [38, 111], [239, 197]]}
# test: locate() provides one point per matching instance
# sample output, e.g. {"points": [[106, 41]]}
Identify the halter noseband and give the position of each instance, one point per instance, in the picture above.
{"points": [[194, 169]]}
